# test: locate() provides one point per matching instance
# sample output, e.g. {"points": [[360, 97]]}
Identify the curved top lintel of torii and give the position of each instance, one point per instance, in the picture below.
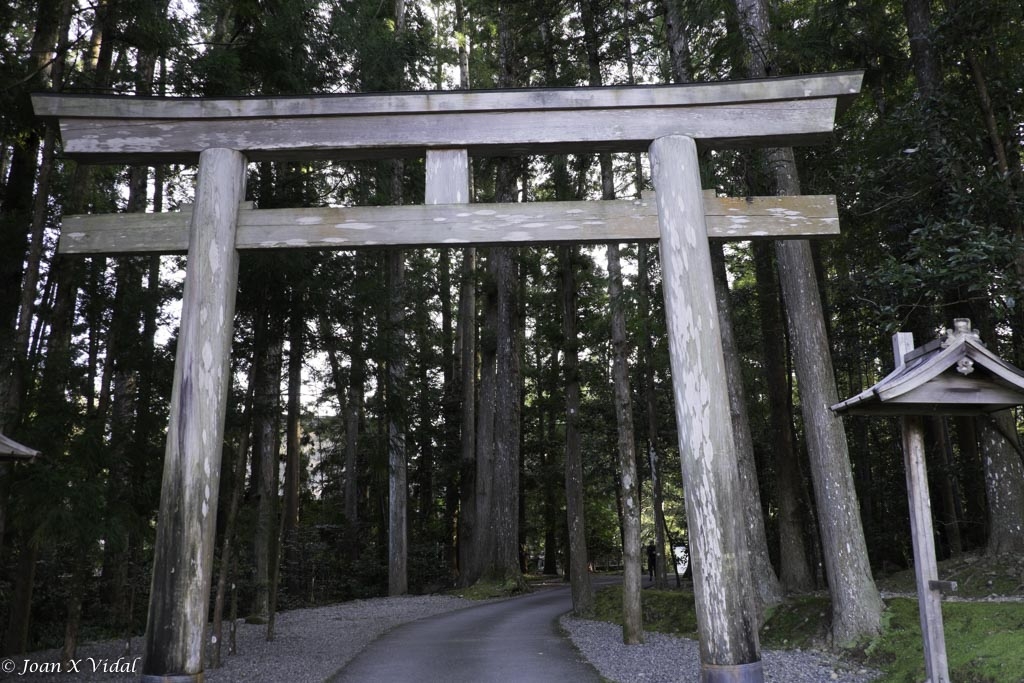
{"points": [[747, 113]]}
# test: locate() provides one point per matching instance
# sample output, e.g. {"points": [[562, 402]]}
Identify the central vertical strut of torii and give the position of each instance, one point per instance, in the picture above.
{"points": [[448, 127]]}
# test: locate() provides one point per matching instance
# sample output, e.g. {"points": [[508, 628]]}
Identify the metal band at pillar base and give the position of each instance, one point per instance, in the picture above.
{"points": [[732, 673], [172, 678]]}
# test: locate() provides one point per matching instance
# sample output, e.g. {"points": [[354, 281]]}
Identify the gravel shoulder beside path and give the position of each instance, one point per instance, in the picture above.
{"points": [[312, 645], [667, 659]]}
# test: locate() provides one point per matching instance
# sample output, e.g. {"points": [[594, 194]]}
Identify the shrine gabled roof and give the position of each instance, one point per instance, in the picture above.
{"points": [[12, 450], [957, 375]]}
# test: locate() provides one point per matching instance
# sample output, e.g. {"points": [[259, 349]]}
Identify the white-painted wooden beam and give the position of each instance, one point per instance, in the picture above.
{"points": [[183, 562], [783, 111], [454, 225], [726, 617]]}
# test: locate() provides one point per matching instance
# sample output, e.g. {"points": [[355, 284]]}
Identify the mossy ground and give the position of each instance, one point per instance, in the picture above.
{"points": [[984, 639], [984, 642], [977, 576], [665, 611], [800, 622]]}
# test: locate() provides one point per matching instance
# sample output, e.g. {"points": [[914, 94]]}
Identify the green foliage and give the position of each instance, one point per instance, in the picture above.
{"points": [[377, 57]]}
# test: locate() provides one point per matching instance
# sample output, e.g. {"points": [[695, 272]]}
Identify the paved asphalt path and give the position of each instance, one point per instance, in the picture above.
{"points": [[511, 640]]}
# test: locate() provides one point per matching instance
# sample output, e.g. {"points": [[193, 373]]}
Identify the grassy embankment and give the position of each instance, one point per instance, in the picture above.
{"points": [[984, 638]]}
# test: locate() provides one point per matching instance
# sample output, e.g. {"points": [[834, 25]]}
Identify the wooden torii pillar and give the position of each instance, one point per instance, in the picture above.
{"points": [[447, 128]]}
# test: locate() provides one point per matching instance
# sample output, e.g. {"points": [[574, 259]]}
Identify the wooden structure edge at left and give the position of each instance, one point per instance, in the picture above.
{"points": [[669, 122], [12, 451]]}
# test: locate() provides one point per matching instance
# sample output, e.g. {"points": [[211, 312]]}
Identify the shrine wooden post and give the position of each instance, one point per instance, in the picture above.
{"points": [[926, 568], [447, 128]]}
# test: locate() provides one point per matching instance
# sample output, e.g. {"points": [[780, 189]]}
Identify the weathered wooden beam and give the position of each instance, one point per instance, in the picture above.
{"points": [[484, 134], [454, 224], [183, 562], [726, 618], [783, 111], [840, 84]]}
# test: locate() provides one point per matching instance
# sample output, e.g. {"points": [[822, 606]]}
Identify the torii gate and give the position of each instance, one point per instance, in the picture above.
{"points": [[448, 127]]}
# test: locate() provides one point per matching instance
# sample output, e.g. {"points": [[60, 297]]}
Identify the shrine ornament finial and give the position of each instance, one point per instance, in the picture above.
{"points": [[961, 328]]}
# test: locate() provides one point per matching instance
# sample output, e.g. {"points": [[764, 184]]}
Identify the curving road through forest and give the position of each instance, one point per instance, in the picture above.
{"points": [[510, 640]]}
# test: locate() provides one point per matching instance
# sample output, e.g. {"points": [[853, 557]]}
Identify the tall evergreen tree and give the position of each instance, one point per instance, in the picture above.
{"points": [[856, 604]]}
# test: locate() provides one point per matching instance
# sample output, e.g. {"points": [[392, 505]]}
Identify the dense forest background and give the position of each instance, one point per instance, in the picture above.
{"points": [[353, 368]]}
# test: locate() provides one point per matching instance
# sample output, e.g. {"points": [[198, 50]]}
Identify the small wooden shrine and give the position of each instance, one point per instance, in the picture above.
{"points": [[952, 375]]}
